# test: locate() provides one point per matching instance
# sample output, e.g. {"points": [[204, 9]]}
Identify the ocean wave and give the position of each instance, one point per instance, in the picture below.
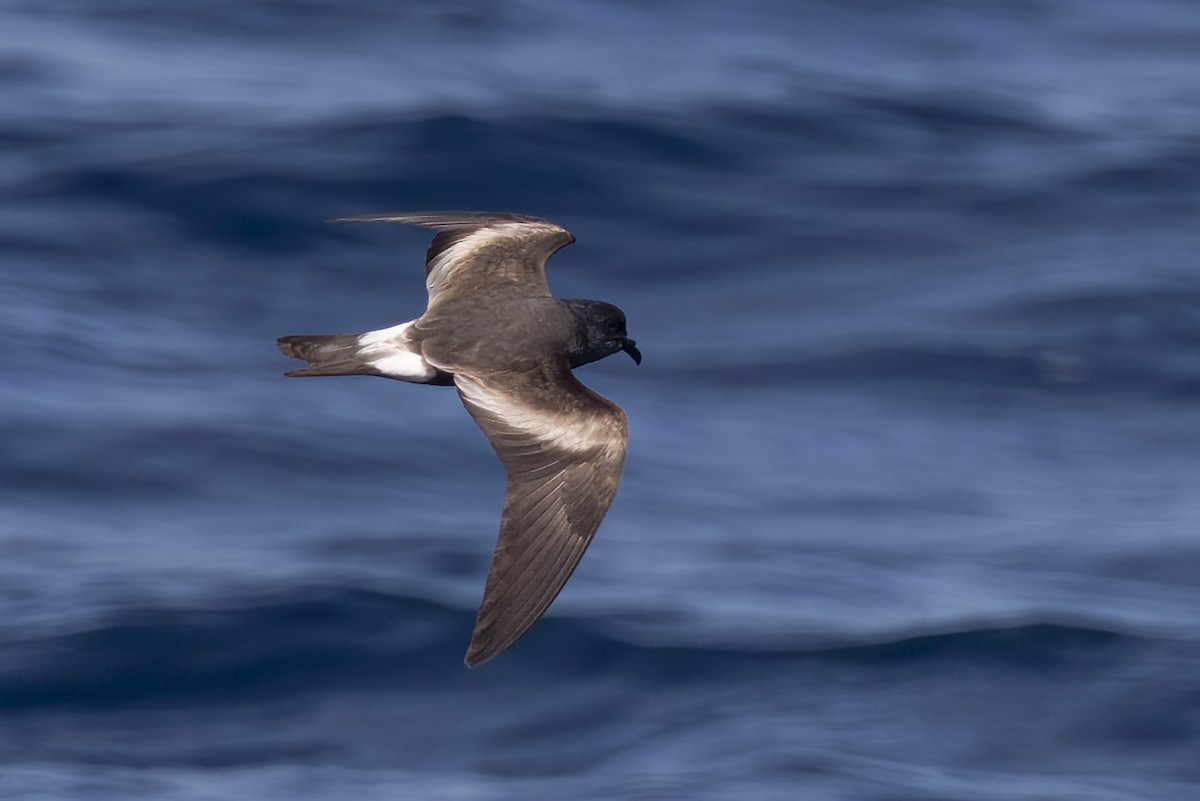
{"points": [[823, 174], [352, 640]]}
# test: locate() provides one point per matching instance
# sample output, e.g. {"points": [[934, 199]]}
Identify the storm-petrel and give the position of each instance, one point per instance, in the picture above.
{"points": [[493, 331]]}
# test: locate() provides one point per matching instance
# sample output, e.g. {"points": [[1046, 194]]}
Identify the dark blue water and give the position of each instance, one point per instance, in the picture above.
{"points": [[912, 505]]}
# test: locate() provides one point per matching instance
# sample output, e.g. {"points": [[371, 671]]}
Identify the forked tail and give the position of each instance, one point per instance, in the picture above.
{"points": [[327, 354], [389, 352]]}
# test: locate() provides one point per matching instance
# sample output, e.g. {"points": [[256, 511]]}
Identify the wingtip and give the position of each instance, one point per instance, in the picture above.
{"points": [[441, 219], [403, 219], [416, 219], [360, 218], [477, 655]]}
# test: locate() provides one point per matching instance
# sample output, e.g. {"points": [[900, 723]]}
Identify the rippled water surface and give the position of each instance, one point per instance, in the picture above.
{"points": [[912, 503]]}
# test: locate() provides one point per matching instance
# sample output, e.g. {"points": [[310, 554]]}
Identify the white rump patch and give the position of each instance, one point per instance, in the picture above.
{"points": [[391, 352]]}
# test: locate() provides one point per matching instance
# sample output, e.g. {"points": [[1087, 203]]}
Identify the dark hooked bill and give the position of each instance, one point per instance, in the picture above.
{"points": [[630, 347]]}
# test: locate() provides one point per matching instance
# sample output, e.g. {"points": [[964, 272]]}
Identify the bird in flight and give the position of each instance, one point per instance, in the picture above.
{"points": [[493, 331]]}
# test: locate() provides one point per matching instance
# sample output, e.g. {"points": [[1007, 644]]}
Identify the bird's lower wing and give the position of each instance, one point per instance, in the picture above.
{"points": [[563, 447]]}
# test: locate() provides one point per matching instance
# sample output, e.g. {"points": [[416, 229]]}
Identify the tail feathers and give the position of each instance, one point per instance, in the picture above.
{"points": [[326, 354]]}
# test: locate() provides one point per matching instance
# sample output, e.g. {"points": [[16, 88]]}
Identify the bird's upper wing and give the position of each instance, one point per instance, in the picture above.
{"points": [[563, 447], [499, 252]]}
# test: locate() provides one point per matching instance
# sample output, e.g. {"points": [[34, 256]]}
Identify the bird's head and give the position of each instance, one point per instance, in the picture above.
{"points": [[600, 331]]}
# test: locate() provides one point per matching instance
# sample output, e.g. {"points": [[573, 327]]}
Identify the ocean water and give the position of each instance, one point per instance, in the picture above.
{"points": [[912, 502]]}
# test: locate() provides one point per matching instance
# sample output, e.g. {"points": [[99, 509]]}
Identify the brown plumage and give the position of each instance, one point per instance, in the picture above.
{"points": [[493, 329]]}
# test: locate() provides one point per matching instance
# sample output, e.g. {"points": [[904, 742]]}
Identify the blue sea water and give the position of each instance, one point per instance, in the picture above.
{"points": [[912, 503]]}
